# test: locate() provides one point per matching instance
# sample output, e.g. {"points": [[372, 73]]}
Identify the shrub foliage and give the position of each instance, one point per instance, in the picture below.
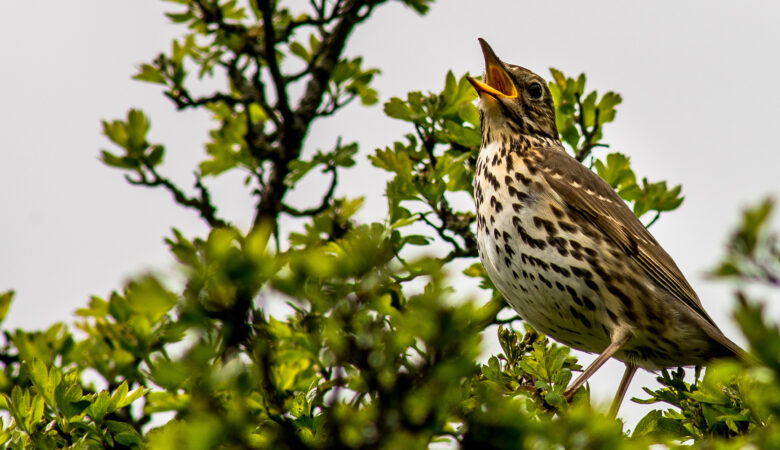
{"points": [[346, 334]]}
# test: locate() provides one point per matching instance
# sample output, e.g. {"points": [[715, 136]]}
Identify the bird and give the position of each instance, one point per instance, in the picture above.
{"points": [[566, 252]]}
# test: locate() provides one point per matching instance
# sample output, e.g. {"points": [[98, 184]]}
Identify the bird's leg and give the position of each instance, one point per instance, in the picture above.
{"points": [[618, 339], [621, 392]]}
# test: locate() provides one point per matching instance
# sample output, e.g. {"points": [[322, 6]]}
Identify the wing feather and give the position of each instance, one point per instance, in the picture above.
{"points": [[594, 198]]}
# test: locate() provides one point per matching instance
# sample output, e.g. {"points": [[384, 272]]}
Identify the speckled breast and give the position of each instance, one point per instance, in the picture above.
{"points": [[534, 253]]}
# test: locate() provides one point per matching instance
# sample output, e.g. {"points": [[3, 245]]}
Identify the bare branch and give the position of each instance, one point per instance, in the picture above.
{"points": [[324, 204], [588, 135], [183, 100], [202, 204], [441, 230], [282, 102], [294, 128]]}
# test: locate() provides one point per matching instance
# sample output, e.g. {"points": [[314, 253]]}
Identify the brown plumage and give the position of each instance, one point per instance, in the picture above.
{"points": [[564, 249]]}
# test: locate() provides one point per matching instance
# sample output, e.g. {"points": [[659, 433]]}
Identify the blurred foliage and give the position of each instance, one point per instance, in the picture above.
{"points": [[345, 334]]}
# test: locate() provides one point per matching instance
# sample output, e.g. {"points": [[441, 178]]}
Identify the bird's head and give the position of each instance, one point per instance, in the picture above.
{"points": [[514, 99]]}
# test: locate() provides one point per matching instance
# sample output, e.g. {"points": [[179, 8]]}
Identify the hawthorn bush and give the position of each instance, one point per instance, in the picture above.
{"points": [[376, 349]]}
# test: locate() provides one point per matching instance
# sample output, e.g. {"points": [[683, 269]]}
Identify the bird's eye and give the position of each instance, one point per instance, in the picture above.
{"points": [[535, 91]]}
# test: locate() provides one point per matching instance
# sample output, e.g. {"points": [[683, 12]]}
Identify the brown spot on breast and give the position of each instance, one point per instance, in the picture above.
{"points": [[573, 295], [567, 226], [522, 196], [559, 243], [522, 178], [581, 273], [546, 224], [588, 303], [527, 238], [556, 212], [496, 204], [599, 270], [492, 180], [478, 192], [621, 296], [559, 269], [509, 250]]}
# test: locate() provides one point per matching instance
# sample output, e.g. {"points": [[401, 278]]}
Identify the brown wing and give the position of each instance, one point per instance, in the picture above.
{"points": [[590, 195]]}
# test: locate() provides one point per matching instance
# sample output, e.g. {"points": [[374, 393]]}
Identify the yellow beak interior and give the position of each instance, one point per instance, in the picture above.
{"points": [[497, 82]]}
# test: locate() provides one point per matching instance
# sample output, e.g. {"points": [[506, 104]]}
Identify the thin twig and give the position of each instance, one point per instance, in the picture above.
{"points": [[657, 215], [203, 205], [324, 204], [588, 135]]}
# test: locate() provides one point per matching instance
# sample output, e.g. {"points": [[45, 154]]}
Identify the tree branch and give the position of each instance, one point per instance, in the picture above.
{"points": [[202, 204], [282, 102], [295, 127], [323, 204], [588, 135]]}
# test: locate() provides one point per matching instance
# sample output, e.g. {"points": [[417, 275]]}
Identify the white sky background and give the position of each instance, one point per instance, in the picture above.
{"points": [[701, 107]]}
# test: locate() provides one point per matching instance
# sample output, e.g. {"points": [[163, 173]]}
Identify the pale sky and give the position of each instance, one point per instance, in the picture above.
{"points": [[698, 79]]}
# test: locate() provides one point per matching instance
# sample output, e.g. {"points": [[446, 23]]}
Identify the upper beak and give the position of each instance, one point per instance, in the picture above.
{"points": [[497, 83]]}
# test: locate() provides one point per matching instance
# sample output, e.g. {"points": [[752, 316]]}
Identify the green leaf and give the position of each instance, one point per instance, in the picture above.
{"points": [[134, 395], [648, 424], [179, 17], [119, 395], [137, 127], [100, 406], [119, 162], [116, 131], [70, 399], [368, 96], [150, 74], [300, 51], [155, 156], [398, 109], [5, 303], [124, 433], [148, 296], [557, 400], [617, 170]]}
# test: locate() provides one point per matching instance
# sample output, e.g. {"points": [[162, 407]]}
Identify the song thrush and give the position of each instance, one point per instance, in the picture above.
{"points": [[564, 249]]}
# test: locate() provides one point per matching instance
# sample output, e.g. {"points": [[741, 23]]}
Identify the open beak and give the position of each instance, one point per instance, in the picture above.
{"points": [[497, 83]]}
